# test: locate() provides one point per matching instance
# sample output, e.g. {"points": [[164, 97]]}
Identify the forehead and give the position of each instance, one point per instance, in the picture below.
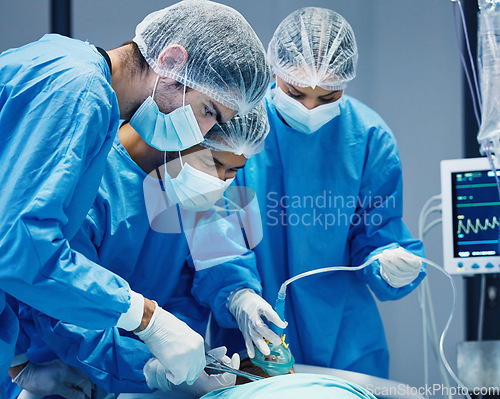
{"points": [[226, 112], [317, 91], [229, 159]]}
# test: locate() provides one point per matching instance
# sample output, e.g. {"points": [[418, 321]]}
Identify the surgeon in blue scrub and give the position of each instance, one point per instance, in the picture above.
{"points": [[118, 235], [189, 66], [329, 185]]}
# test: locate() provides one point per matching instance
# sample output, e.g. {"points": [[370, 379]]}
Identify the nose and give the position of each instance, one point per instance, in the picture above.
{"points": [[309, 103], [221, 174], [205, 126]]}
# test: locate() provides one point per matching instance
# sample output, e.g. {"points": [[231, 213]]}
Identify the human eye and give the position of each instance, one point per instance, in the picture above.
{"points": [[207, 162], [209, 111], [294, 94]]}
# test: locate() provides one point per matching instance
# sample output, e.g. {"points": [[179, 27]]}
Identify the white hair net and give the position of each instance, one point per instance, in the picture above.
{"points": [[314, 47], [241, 135], [226, 59]]}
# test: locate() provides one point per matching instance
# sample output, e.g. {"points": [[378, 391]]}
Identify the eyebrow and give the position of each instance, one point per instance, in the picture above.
{"points": [[323, 96], [218, 115], [293, 87], [329, 94], [220, 163]]}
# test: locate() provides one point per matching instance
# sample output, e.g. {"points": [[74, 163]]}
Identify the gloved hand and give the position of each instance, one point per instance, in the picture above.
{"points": [[399, 267], [28, 395], [155, 375], [248, 308], [55, 378], [178, 348]]}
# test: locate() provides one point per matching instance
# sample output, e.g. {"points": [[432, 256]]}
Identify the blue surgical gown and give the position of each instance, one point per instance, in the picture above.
{"points": [[58, 117], [331, 198], [117, 234]]}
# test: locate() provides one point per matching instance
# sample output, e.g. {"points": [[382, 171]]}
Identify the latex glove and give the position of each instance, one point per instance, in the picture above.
{"points": [[248, 308], [399, 267], [178, 348], [155, 376], [54, 378], [28, 395]]}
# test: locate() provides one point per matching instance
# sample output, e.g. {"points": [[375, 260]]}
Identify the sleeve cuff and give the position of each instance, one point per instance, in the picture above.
{"points": [[132, 318], [19, 359]]}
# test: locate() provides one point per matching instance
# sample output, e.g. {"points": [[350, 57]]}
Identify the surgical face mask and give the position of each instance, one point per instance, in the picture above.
{"points": [[193, 189], [175, 131], [299, 117]]}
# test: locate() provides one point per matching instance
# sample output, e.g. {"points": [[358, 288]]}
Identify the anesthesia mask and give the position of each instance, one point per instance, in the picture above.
{"points": [[280, 361]]}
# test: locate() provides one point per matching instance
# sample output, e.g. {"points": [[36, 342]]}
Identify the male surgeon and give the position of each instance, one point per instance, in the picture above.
{"points": [[189, 66], [119, 234]]}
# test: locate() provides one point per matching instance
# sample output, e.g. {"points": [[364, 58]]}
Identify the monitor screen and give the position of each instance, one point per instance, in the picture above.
{"points": [[471, 212], [475, 210]]}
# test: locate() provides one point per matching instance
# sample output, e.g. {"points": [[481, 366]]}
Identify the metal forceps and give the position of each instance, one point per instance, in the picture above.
{"points": [[215, 364]]}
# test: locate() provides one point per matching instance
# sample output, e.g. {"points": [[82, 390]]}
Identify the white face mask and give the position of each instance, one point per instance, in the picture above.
{"points": [[299, 117], [193, 189]]}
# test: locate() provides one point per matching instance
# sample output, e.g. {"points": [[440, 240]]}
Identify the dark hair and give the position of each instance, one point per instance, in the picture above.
{"points": [[138, 62]]}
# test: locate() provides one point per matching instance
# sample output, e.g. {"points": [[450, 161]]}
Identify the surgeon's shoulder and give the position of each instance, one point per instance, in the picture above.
{"points": [[79, 64], [366, 119]]}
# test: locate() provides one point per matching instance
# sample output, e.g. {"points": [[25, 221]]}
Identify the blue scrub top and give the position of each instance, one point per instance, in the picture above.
{"points": [[117, 234], [58, 117], [331, 198]]}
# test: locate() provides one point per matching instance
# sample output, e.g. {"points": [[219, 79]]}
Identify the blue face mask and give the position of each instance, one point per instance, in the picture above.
{"points": [[175, 131]]}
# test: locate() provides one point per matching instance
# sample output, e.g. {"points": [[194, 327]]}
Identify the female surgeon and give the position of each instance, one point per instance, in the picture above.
{"points": [[329, 185], [120, 234]]}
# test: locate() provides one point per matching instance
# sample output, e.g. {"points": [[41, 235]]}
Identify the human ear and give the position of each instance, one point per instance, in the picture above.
{"points": [[173, 58]]}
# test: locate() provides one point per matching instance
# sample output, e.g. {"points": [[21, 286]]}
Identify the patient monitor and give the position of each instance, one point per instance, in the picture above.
{"points": [[471, 216]]}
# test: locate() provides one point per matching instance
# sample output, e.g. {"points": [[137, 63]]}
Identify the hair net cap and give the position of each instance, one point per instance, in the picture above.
{"points": [[314, 47], [226, 59], [241, 135]]}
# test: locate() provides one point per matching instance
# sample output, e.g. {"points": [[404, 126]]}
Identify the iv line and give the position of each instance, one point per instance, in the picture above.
{"points": [[282, 295]]}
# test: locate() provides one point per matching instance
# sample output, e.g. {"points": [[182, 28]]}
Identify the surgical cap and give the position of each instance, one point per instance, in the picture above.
{"points": [[226, 59], [314, 47], [241, 135]]}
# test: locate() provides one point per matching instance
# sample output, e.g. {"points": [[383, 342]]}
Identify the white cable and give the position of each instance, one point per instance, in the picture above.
{"points": [[425, 300], [282, 293], [482, 300], [421, 219], [325, 270], [422, 301], [434, 337], [447, 326], [431, 225]]}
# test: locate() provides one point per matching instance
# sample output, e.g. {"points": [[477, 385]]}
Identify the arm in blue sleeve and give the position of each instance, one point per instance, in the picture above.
{"points": [[112, 361], [23, 340], [55, 153], [380, 215], [212, 286], [219, 252]]}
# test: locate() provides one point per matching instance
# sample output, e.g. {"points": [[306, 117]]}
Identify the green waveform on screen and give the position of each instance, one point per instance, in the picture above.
{"points": [[469, 226]]}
